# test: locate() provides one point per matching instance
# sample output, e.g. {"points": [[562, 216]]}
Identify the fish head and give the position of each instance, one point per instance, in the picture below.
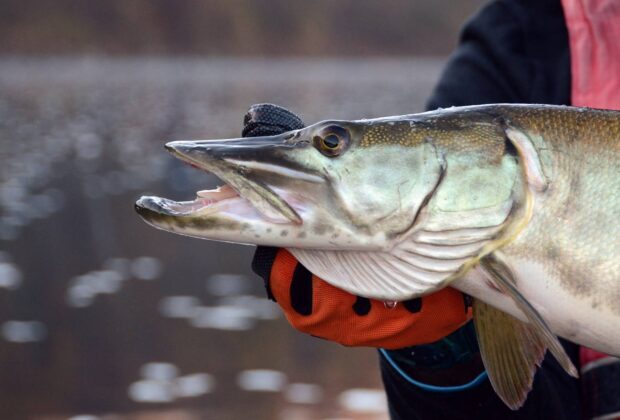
{"points": [[331, 185]]}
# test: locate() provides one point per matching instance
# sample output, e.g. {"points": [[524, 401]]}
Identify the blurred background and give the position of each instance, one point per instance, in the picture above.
{"points": [[103, 317]]}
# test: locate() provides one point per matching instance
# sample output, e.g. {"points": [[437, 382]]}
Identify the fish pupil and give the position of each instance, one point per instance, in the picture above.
{"points": [[331, 141]]}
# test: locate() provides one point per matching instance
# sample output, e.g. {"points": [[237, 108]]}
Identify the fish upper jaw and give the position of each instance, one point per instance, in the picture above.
{"points": [[227, 160]]}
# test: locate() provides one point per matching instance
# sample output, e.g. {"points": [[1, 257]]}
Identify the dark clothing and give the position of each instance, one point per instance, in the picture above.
{"points": [[512, 51], [555, 395]]}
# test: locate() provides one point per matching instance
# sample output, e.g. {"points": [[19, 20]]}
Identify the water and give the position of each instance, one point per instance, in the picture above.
{"points": [[102, 316]]}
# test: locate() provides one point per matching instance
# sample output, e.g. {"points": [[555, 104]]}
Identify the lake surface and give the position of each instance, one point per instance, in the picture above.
{"points": [[102, 316]]}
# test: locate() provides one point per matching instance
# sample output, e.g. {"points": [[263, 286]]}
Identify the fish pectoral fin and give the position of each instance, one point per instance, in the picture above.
{"points": [[511, 349], [530, 160]]}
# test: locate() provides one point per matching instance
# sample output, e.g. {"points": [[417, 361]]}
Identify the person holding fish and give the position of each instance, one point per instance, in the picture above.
{"points": [[529, 51], [514, 204]]}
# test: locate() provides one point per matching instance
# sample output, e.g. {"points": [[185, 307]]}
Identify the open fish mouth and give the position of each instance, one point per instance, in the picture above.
{"points": [[242, 197], [223, 200]]}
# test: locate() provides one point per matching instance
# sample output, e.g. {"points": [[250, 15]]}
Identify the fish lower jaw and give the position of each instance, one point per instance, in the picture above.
{"points": [[222, 202]]}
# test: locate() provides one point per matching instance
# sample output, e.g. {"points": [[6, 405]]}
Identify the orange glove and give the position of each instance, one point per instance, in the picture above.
{"points": [[315, 307]]}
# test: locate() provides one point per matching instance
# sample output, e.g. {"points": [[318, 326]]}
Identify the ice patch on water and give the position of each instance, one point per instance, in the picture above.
{"points": [[23, 331], [10, 276], [261, 380], [83, 289], [261, 307], [194, 385], [159, 371], [363, 400], [146, 268], [150, 391], [233, 318], [161, 383]]}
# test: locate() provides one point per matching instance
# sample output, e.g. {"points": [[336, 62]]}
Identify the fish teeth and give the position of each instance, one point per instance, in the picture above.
{"points": [[220, 193]]}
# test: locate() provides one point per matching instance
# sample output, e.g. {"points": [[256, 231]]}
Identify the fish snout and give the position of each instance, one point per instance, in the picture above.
{"points": [[195, 152], [252, 147]]}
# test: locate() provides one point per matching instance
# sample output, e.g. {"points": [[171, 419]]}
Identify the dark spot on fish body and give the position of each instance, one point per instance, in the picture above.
{"points": [[322, 228], [284, 233], [301, 235], [553, 253], [268, 230]]}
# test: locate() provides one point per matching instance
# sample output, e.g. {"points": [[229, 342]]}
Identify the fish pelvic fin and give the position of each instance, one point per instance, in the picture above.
{"points": [[512, 349]]}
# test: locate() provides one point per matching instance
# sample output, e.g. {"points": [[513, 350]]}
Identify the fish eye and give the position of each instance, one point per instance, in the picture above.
{"points": [[331, 141]]}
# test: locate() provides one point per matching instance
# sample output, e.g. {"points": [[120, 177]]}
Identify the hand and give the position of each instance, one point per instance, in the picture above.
{"points": [[315, 307]]}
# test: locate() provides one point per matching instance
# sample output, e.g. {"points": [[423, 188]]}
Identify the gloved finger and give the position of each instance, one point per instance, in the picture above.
{"points": [[269, 119]]}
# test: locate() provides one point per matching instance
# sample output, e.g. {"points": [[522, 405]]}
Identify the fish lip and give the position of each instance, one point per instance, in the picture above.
{"points": [[150, 207], [144, 207]]}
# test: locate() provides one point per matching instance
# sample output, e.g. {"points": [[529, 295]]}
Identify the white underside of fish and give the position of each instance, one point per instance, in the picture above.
{"points": [[568, 316]]}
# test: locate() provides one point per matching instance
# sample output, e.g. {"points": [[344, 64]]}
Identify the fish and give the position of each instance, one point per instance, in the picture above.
{"points": [[516, 205]]}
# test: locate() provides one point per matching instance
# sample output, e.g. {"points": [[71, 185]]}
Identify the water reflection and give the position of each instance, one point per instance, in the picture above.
{"points": [[83, 289], [146, 268], [178, 306], [10, 275], [224, 317], [363, 400], [91, 295], [161, 383], [261, 380], [23, 331]]}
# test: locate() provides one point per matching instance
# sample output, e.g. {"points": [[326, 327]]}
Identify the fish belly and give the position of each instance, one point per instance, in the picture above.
{"points": [[576, 317]]}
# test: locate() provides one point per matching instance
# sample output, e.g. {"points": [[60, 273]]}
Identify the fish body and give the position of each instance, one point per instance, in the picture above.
{"points": [[566, 259], [517, 205]]}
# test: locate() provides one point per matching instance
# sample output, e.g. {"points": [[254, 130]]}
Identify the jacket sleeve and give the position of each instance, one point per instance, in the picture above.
{"points": [[511, 51]]}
